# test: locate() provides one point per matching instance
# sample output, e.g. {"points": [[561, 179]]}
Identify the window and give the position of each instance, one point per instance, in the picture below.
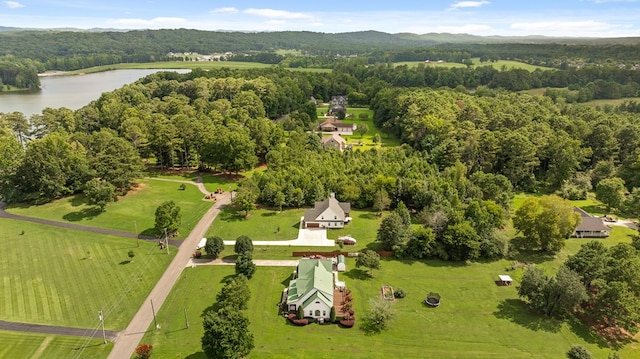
{"points": [[311, 313], [324, 313], [317, 312]]}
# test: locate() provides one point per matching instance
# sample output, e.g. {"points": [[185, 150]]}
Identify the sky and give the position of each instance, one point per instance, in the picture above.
{"points": [[559, 18]]}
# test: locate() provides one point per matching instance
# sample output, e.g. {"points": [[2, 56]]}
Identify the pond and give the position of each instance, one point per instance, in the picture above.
{"points": [[71, 92]]}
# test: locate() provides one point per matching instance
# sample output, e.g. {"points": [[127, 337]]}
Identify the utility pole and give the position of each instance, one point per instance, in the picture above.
{"points": [[135, 224], [104, 337], [154, 315]]}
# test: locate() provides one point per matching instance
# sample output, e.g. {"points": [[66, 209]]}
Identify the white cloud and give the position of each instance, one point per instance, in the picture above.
{"points": [[225, 10], [465, 4], [609, 1], [13, 4], [155, 22], [276, 14], [561, 27], [276, 22]]}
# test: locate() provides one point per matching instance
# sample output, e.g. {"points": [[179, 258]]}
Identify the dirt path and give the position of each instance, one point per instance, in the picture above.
{"points": [[126, 342], [56, 330]]}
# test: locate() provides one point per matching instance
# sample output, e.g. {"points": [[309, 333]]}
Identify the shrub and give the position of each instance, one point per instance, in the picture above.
{"points": [[578, 352], [143, 351], [347, 323], [399, 293], [301, 322]]}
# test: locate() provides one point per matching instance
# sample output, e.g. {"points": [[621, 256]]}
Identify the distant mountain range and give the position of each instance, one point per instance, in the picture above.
{"points": [[372, 36]]}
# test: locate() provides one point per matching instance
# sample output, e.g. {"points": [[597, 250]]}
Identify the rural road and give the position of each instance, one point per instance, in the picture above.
{"points": [[127, 341]]}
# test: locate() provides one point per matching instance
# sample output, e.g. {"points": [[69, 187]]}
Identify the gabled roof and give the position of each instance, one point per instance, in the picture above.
{"points": [[330, 209], [592, 224], [336, 137], [313, 274], [589, 223]]}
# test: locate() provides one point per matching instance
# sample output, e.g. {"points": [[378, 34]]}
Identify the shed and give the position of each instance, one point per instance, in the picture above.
{"points": [[202, 243], [342, 265], [505, 279]]}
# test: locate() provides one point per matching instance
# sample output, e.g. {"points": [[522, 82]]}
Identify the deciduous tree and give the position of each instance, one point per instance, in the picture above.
{"points": [[546, 222], [168, 217], [368, 259], [214, 246], [99, 192], [226, 335]]}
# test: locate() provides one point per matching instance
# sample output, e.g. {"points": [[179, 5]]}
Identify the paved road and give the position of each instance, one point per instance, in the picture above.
{"points": [[51, 329], [126, 342]]}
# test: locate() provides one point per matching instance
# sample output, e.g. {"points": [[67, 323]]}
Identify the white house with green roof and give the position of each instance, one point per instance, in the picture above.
{"points": [[312, 288]]}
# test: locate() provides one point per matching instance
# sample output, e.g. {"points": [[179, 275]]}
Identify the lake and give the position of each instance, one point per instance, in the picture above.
{"points": [[71, 92]]}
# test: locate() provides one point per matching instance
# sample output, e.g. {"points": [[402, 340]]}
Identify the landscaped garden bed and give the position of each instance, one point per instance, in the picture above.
{"points": [[387, 292]]}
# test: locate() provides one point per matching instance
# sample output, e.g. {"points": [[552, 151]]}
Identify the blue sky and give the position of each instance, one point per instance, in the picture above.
{"points": [[594, 18]]}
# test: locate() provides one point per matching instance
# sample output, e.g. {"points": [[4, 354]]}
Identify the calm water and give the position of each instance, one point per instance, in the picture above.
{"points": [[72, 92]]}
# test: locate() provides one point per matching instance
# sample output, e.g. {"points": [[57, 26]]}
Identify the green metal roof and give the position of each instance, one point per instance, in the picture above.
{"points": [[312, 274]]}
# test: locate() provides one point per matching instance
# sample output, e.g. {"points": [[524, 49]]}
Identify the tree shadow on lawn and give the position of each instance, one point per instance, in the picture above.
{"points": [[516, 311], [369, 215], [196, 355], [357, 273], [526, 255], [85, 213], [232, 214], [78, 200]]}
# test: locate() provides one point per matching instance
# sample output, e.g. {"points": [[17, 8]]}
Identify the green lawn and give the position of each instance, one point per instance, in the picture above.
{"points": [[135, 210], [499, 65], [27, 345], [477, 318], [56, 276], [261, 225]]}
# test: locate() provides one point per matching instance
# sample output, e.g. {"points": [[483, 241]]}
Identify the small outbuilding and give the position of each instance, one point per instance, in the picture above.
{"points": [[342, 265], [505, 279], [202, 243]]}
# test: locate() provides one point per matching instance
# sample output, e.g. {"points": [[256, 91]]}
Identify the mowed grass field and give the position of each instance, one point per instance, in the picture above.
{"points": [[134, 211], [499, 65], [26, 345], [477, 318], [51, 275]]}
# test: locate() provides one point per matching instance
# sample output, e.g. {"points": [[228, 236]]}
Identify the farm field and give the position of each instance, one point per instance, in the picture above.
{"points": [[477, 318], [135, 210], [23, 345], [499, 65], [63, 277]]}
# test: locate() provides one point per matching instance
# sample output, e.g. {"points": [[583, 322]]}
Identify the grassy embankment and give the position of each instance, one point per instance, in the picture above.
{"points": [[184, 65]]}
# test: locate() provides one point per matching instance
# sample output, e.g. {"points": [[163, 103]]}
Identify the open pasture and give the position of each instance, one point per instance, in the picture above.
{"points": [[56, 276]]}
